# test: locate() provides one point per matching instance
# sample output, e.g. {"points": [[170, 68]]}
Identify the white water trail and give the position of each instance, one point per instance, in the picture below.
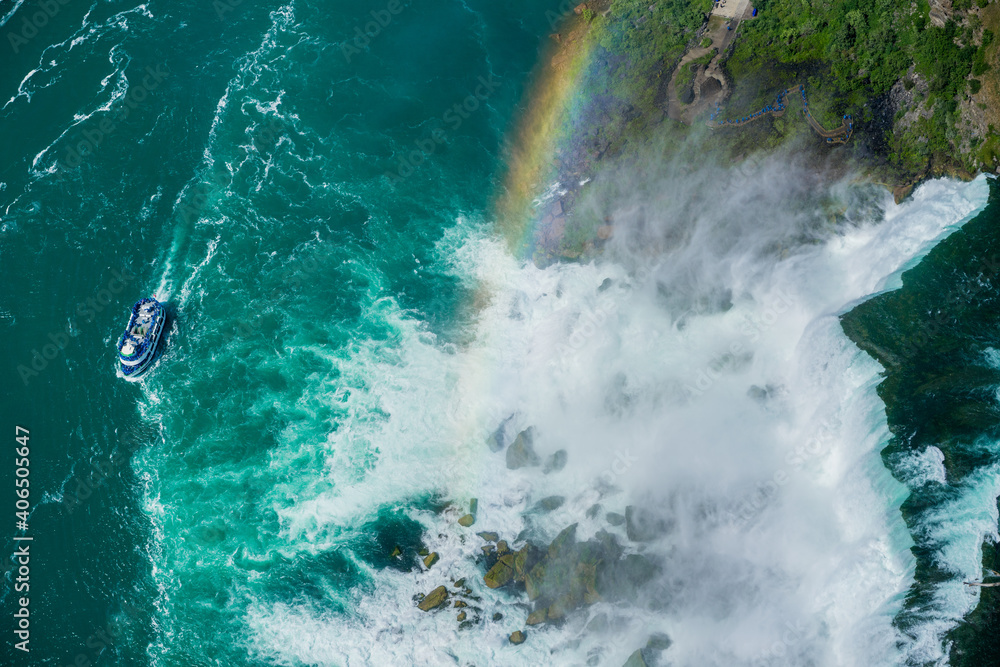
{"points": [[704, 377]]}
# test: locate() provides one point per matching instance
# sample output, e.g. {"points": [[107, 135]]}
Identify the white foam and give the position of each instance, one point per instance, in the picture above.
{"points": [[789, 547]]}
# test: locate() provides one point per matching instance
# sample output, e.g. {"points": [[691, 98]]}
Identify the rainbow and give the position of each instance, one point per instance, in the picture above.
{"points": [[537, 136]]}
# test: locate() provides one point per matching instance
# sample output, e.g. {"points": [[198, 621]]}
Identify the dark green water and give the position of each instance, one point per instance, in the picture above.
{"points": [[937, 338]]}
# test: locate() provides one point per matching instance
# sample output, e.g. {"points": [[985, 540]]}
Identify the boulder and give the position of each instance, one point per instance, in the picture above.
{"points": [[396, 552], [517, 637], [642, 525], [536, 617], [467, 520], [489, 537], [556, 462], [635, 660], [549, 504], [498, 439], [434, 599], [521, 453], [521, 563], [461, 616], [501, 573], [614, 518], [460, 603], [534, 580], [431, 559]]}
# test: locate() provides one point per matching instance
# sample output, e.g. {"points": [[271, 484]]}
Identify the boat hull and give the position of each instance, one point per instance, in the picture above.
{"points": [[137, 347]]}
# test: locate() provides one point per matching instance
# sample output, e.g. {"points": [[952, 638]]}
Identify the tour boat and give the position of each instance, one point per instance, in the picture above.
{"points": [[137, 346]]}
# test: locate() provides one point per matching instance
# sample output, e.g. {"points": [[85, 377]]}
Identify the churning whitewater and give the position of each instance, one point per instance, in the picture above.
{"points": [[698, 371]]}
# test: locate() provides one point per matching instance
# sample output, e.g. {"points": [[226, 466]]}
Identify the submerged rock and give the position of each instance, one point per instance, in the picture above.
{"points": [[635, 660], [517, 637], [549, 504], [489, 537], [498, 439], [556, 462], [538, 616], [434, 599], [614, 518], [521, 453], [641, 525]]}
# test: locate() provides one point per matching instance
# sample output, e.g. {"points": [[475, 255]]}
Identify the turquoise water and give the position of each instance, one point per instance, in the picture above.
{"points": [[345, 333], [246, 187]]}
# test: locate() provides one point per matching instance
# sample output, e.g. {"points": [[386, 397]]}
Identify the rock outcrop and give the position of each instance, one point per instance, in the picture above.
{"points": [[521, 453], [434, 599]]}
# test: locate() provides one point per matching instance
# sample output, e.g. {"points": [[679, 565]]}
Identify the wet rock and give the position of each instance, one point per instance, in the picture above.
{"points": [[548, 504], [434, 599], [396, 552], [489, 537], [517, 637], [534, 580], [497, 616], [488, 549], [614, 518], [635, 660], [556, 462], [521, 453], [499, 438], [564, 540], [467, 520], [538, 616], [658, 641], [431, 559], [605, 284], [461, 616], [521, 563], [641, 525], [502, 547], [598, 624], [501, 573], [423, 552], [593, 510], [460, 603], [460, 583], [473, 506]]}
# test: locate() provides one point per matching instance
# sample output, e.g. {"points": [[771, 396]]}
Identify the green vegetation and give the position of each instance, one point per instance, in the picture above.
{"points": [[856, 51], [705, 43], [638, 44]]}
